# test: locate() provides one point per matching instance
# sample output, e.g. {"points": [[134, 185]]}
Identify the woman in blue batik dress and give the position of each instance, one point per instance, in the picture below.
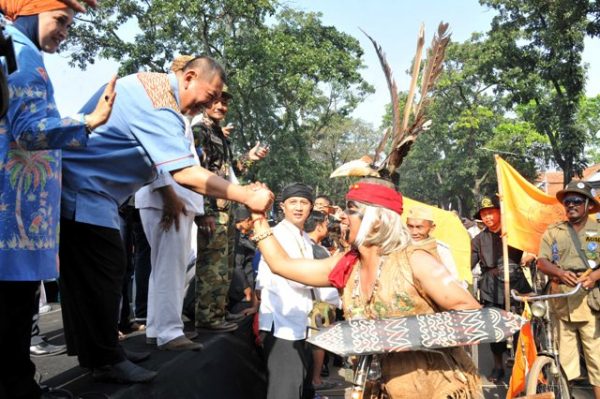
{"points": [[31, 136]]}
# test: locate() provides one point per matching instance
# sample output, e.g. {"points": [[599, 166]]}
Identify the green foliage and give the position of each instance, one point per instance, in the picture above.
{"points": [[290, 75], [534, 55]]}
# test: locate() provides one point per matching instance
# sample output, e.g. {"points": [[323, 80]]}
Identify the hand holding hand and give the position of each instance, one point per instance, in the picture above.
{"points": [[259, 198], [104, 107]]}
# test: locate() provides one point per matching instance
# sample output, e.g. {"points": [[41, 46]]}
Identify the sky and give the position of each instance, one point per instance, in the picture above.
{"points": [[394, 24]]}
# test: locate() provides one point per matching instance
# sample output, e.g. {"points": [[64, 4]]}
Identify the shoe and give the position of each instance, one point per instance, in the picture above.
{"points": [[181, 344], [124, 372], [224, 326], [45, 348], [325, 371], [496, 376], [234, 317], [188, 335], [136, 357]]}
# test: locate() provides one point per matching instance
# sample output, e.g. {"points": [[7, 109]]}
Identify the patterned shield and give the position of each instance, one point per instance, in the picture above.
{"points": [[419, 332]]}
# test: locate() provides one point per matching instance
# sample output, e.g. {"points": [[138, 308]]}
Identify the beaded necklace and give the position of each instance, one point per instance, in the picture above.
{"points": [[364, 305]]}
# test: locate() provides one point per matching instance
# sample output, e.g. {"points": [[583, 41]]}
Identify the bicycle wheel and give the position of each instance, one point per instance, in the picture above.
{"points": [[547, 376]]}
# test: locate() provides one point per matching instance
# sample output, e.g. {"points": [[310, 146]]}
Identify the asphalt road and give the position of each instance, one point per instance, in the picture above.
{"points": [[227, 368]]}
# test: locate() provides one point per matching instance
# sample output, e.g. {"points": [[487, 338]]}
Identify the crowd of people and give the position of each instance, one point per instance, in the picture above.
{"points": [[143, 182]]}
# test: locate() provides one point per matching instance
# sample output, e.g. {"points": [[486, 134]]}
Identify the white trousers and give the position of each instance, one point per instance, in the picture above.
{"points": [[171, 252]]}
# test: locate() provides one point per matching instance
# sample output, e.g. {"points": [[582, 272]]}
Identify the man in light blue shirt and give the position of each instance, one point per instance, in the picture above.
{"points": [[143, 139]]}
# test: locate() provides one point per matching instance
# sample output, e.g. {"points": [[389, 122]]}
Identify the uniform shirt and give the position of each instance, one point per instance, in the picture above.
{"points": [[31, 135], [145, 136], [557, 247], [285, 304]]}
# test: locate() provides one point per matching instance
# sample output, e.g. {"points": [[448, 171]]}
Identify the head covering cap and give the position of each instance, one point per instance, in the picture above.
{"points": [[376, 192], [16, 8], [225, 93], [582, 188], [240, 214], [420, 212], [297, 190], [487, 203]]}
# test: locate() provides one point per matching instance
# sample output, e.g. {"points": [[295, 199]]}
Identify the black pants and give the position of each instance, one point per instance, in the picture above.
{"points": [[92, 265], [288, 363], [17, 307]]}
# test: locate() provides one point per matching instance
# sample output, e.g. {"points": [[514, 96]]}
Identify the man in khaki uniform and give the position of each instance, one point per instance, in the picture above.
{"points": [[560, 259]]}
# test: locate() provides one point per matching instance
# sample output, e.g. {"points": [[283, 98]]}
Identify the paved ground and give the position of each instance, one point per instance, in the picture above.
{"points": [[227, 368]]}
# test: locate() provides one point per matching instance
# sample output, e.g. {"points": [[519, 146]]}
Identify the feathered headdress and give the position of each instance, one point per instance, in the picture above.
{"points": [[400, 133]]}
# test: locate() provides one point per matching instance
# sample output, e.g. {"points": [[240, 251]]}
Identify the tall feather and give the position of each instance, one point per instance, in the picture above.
{"points": [[387, 71], [431, 73]]}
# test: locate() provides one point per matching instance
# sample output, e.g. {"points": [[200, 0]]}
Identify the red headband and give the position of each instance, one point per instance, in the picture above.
{"points": [[376, 194]]}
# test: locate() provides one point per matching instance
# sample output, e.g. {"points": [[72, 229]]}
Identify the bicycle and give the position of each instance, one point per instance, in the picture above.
{"points": [[546, 373]]}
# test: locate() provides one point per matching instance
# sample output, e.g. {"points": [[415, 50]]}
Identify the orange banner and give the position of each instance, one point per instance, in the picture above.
{"points": [[451, 231], [527, 210], [525, 354]]}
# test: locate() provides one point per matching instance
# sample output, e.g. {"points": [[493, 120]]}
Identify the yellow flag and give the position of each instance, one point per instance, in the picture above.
{"points": [[527, 210], [450, 230]]}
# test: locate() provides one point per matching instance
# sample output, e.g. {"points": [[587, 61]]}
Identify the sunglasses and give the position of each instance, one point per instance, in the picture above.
{"points": [[575, 201]]}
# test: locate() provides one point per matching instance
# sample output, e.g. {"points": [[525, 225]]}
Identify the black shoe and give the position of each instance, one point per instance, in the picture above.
{"points": [[224, 326], [124, 372], [234, 317], [136, 357], [45, 348]]}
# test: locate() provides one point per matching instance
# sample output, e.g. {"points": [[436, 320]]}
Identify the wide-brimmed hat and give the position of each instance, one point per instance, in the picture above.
{"points": [[487, 203], [582, 188]]}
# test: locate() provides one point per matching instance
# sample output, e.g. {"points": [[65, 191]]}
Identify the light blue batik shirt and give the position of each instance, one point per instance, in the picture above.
{"points": [[145, 136]]}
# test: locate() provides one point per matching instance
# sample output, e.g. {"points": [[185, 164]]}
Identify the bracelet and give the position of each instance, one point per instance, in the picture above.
{"points": [[258, 238]]}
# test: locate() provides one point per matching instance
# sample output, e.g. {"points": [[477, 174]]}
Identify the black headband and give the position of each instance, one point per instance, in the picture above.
{"points": [[297, 190]]}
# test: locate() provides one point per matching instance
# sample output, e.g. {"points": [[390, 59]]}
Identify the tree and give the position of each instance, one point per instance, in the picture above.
{"points": [[533, 55], [289, 74]]}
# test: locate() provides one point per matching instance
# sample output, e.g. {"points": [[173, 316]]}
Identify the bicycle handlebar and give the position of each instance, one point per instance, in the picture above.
{"points": [[526, 298]]}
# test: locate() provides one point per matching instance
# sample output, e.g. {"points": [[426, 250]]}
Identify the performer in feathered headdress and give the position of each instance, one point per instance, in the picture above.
{"points": [[383, 276]]}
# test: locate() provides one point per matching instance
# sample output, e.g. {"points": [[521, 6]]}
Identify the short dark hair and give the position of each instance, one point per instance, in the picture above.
{"points": [[314, 219], [325, 197], [207, 66]]}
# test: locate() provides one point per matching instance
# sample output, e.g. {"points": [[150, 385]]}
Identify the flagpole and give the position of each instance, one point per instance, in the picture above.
{"points": [[504, 244]]}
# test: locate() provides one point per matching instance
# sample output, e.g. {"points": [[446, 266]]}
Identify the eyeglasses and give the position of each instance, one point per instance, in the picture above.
{"points": [[575, 201]]}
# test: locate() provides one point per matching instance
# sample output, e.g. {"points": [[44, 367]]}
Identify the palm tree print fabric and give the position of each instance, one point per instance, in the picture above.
{"points": [[31, 136]]}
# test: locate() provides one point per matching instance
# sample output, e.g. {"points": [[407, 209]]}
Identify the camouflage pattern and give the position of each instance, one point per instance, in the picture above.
{"points": [[214, 269]]}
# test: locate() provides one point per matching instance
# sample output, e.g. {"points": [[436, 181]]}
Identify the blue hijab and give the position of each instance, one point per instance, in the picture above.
{"points": [[29, 26]]}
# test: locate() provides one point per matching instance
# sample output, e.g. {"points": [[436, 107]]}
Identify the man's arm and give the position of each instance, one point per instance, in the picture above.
{"points": [[256, 197], [172, 207]]}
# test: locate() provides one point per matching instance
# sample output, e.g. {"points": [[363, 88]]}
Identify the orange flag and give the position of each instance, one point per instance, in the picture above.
{"points": [[525, 354], [527, 210]]}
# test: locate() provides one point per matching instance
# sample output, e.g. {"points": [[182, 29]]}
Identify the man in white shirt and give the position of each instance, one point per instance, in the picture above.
{"points": [[285, 304]]}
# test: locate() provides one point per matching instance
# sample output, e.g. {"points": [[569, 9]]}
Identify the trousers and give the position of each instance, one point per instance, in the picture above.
{"points": [[170, 253]]}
